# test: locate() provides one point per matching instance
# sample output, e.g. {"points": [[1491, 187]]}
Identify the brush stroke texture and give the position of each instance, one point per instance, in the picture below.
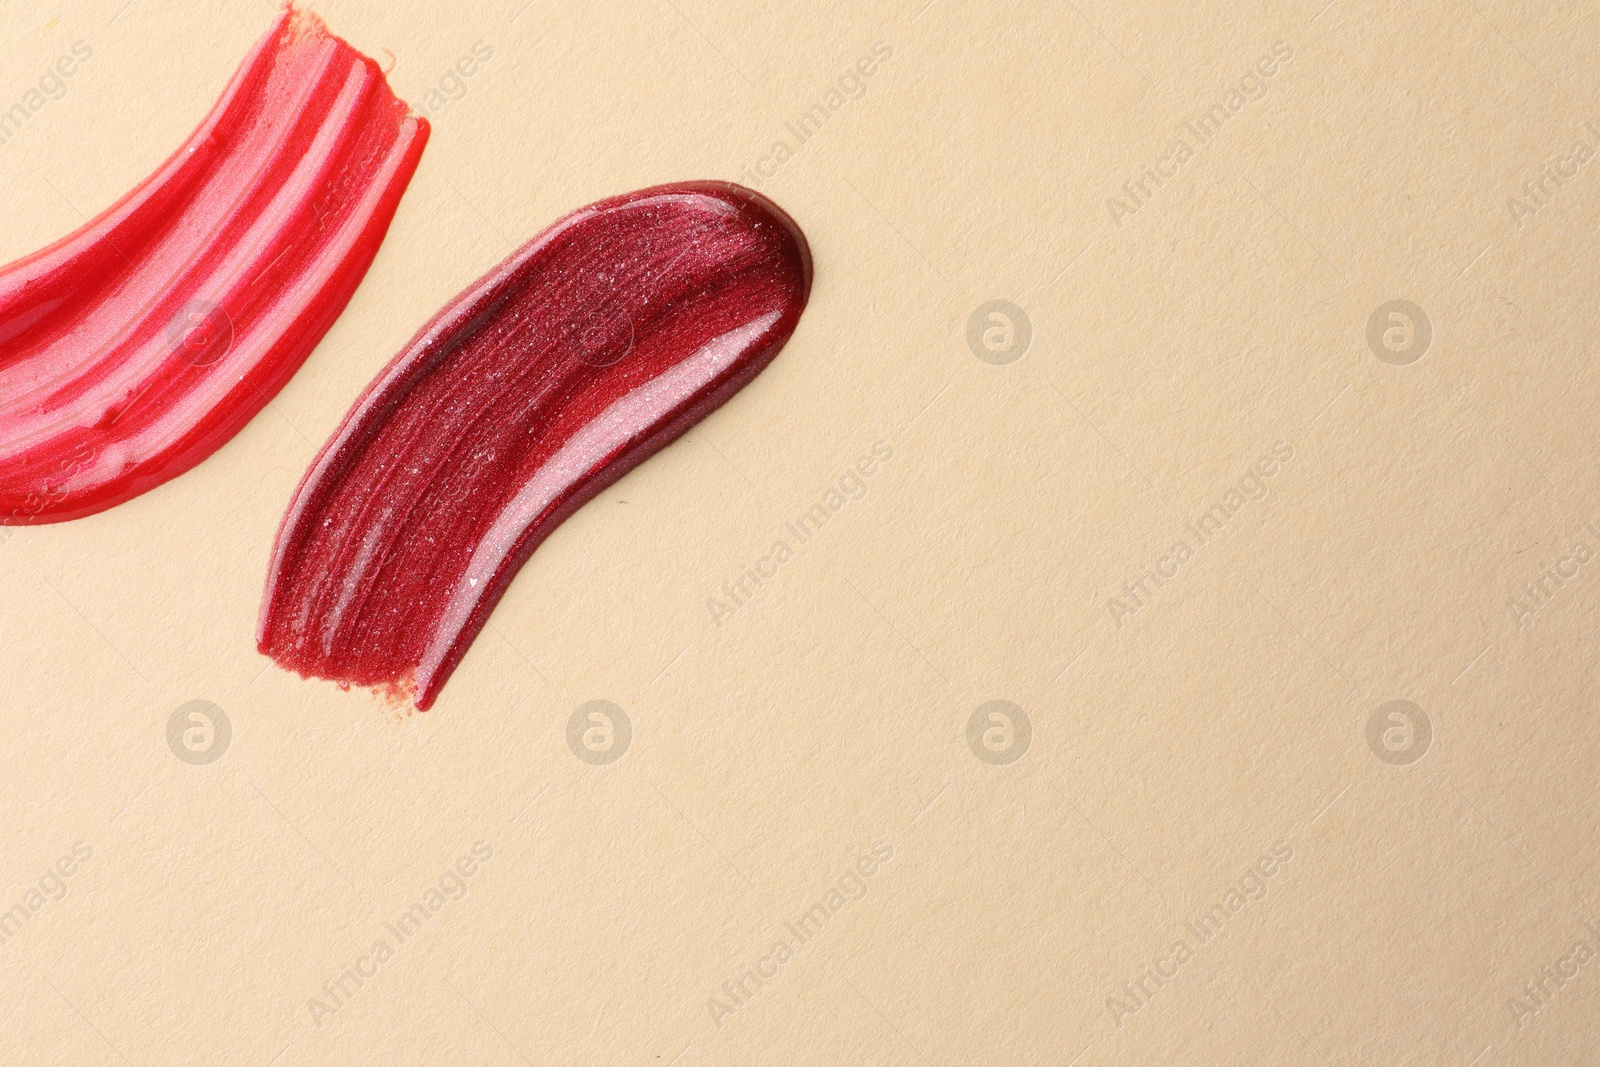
{"points": [[589, 349], [135, 347]]}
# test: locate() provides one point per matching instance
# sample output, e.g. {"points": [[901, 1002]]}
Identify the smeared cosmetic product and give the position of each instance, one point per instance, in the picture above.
{"points": [[135, 347], [588, 350]]}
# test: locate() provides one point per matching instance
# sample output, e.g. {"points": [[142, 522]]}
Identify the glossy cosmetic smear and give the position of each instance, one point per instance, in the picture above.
{"points": [[135, 347], [591, 348]]}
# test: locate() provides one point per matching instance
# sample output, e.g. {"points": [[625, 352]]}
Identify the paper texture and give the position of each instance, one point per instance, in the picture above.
{"points": [[1144, 616]]}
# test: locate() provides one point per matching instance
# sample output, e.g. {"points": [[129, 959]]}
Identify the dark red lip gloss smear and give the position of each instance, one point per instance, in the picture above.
{"points": [[588, 350]]}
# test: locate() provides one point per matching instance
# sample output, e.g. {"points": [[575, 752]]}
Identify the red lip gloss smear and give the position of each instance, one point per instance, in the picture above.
{"points": [[588, 350], [135, 347]]}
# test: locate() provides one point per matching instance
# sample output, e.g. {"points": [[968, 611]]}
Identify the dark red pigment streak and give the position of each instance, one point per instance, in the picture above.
{"points": [[588, 350], [135, 347]]}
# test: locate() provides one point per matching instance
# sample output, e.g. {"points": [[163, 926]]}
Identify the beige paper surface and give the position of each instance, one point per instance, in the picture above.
{"points": [[1197, 828]]}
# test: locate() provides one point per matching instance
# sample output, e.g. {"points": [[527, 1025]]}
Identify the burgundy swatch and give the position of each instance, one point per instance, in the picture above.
{"points": [[135, 347], [588, 350]]}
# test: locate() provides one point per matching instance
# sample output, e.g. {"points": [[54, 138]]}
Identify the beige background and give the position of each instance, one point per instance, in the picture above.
{"points": [[1172, 747]]}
